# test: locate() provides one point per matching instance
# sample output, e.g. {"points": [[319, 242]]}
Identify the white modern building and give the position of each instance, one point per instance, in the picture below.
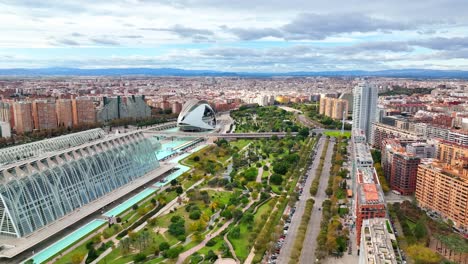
{"points": [[378, 243], [364, 108], [196, 116]]}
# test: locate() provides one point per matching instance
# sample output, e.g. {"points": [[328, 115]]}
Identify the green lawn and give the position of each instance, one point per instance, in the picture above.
{"points": [[242, 244], [240, 143], [81, 250], [215, 248], [220, 197], [346, 134]]}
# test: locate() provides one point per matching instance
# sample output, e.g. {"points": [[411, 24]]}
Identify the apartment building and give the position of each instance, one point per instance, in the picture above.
{"points": [[443, 189], [83, 111], [64, 112], [44, 114], [22, 112]]}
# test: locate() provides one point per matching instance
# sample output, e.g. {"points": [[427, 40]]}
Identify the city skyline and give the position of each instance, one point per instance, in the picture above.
{"points": [[263, 36]]}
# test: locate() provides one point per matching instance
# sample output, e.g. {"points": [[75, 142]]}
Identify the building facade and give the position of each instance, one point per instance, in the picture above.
{"points": [[84, 111], [443, 189], [64, 112], [333, 107], [123, 107], [22, 112], [400, 160], [39, 190], [364, 108], [380, 132], [44, 114], [5, 130], [196, 116]]}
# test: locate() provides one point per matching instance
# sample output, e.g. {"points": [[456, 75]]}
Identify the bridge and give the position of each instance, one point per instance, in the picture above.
{"points": [[221, 135]]}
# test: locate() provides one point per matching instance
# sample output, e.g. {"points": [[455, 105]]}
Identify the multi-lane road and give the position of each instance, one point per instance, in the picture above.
{"points": [[286, 249], [313, 229]]}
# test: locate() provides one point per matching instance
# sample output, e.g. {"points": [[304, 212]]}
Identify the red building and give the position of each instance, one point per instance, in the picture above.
{"points": [[403, 173], [400, 161], [370, 202]]}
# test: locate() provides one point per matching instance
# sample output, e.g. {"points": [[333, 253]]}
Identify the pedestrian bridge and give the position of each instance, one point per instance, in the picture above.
{"points": [[221, 135]]}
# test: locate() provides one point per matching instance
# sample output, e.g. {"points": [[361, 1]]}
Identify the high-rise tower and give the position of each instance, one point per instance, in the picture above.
{"points": [[364, 108]]}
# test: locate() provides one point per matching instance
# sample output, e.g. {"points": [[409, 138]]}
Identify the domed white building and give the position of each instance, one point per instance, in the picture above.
{"points": [[196, 116]]}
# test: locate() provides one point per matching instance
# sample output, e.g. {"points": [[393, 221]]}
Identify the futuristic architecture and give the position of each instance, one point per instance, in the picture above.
{"points": [[196, 116], [44, 181]]}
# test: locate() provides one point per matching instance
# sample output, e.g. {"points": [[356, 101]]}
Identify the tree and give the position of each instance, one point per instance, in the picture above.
{"points": [[235, 232], [211, 256], [125, 245], [237, 214], [420, 230], [195, 215], [304, 132], [276, 179], [173, 252], [423, 255], [164, 246], [140, 257], [135, 207], [280, 168], [174, 182], [248, 218], [177, 228], [77, 258], [179, 190]]}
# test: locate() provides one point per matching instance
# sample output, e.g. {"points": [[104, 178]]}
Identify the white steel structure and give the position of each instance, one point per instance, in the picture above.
{"points": [[26, 151], [39, 190], [196, 116], [364, 108]]}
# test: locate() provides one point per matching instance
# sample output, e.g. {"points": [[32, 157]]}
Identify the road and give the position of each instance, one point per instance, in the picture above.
{"points": [[300, 206], [313, 229], [307, 121]]}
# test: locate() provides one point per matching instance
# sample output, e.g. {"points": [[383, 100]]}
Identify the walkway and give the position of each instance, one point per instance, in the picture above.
{"points": [[285, 252], [169, 206], [313, 229], [189, 252]]}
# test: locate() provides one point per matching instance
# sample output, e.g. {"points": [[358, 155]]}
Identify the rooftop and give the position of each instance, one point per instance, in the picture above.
{"points": [[376, 242]]}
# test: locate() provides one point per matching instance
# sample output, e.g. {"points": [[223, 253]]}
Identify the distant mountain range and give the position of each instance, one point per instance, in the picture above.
{"points": [[405, 73]]}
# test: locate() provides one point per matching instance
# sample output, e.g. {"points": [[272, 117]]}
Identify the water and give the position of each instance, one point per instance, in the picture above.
{"points": [[129, 203], [170, 147], [173, 175], [67, 241], [174, 129]]}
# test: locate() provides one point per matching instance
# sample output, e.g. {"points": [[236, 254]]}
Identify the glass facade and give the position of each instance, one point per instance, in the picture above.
{"points": [[40, 191]]}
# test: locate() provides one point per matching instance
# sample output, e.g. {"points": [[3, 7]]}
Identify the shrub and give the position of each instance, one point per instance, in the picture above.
{"points": [[173, 252], [195, 215], [140, 257], [211, 242], [164, 246]]}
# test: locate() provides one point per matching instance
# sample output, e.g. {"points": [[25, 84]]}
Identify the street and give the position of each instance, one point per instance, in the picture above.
{"points": [[300, 206], [313, 229]]}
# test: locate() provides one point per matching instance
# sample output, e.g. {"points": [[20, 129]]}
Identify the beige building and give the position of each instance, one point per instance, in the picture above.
{"points": [[22, 112], [333, 107], [340, 109], [84, 111], [176, 107], [451, 153], [44, 114], [64, 112], [444, 189]]}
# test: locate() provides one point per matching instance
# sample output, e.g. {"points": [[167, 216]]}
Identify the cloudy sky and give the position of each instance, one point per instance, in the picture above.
{"points": [[235, 35]]}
